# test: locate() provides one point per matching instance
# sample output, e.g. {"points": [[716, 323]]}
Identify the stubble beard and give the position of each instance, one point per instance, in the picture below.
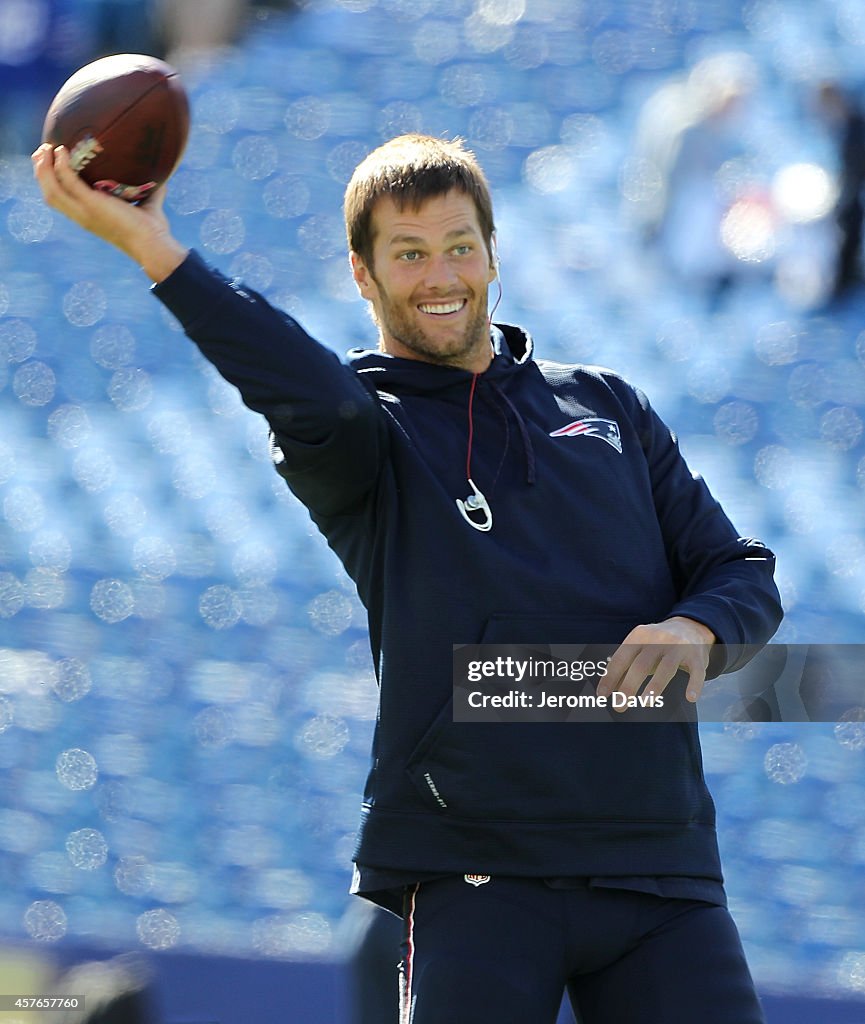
{"points": [[392, 322]]}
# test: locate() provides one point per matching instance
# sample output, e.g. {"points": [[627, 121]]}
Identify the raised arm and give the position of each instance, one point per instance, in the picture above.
{"points": [[329, 433]]}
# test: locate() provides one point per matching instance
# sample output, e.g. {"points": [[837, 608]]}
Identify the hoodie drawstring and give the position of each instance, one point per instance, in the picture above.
{"points": [[475, 509], [524, 433], [475, 505]]}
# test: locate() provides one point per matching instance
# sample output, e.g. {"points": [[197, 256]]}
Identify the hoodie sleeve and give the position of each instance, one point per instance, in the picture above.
{"points": [[327, 432], [723, 580]]}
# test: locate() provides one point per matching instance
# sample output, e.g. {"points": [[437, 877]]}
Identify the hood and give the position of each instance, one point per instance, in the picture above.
{"points": [[513, 349]]}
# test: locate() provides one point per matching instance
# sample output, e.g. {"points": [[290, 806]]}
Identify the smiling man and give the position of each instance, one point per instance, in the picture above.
{"points": [[426, 277], [476, 494]]}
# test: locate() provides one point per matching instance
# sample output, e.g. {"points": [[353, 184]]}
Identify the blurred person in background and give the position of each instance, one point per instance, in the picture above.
{"points": [[196, 30], [42, 42], [178, 31], [688, 132], [477, 495], [119, 26], [192, 30], [842, 114]]}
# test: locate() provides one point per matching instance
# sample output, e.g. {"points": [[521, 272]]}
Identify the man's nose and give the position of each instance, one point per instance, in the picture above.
{"points": [[440, 272]]}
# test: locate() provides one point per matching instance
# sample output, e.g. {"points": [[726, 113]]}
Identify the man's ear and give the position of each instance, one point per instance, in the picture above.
{"points": [[494, 259], [362, 277]]}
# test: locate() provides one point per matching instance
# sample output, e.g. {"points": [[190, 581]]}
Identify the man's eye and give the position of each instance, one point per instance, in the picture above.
{"points": [[411, 256], [462, 250]]}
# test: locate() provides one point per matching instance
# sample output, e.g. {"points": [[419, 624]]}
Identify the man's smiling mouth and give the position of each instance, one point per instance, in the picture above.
{"points": [[442, 308]]}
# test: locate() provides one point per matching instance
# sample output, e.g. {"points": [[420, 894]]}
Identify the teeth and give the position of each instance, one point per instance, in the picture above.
{"points": [[441, 308]]}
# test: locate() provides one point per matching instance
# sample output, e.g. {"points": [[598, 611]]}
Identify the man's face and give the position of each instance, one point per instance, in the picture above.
{"points": [[428, 288]]}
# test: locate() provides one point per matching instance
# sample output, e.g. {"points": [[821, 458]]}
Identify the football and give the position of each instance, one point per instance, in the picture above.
{"points": [[124, 120]]}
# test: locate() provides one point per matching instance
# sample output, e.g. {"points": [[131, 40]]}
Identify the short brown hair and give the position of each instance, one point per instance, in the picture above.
{"points": [[411, 169]]}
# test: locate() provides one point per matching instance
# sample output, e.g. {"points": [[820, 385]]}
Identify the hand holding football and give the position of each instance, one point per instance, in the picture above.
{"points": [[124, 120]]}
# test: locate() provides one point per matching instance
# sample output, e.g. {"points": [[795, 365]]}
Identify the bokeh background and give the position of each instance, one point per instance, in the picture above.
{"points": [[186, 695]]}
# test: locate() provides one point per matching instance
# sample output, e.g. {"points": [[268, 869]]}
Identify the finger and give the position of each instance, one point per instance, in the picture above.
{"points": [[43, 160], [104, 215], [155, 201], [46, 176], [666, 669], [696, 680], [622, 658], [642, 668], [694, 659], [48, 169], [630, 673], [687, 658], [655, 665], [67, 177], [617, 665], [695, 689]]}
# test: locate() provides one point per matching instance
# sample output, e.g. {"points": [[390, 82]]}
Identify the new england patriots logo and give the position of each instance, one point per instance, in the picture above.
{"points": [[593, 426]]}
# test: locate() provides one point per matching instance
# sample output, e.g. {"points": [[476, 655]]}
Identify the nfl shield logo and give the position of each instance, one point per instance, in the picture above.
{"points": [[477, 880]]}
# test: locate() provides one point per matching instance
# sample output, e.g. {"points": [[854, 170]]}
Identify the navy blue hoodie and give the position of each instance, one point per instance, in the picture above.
{"points": [[597, 526]]}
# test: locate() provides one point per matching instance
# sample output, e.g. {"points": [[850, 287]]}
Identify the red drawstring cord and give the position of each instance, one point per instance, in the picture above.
{"points": [[471, 427]]}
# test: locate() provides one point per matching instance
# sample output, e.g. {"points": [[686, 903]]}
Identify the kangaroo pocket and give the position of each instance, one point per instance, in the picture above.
{"points": [[559, 771]]}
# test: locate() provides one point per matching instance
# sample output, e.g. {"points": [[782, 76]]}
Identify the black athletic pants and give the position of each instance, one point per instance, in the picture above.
{"points": [[504, 950]]}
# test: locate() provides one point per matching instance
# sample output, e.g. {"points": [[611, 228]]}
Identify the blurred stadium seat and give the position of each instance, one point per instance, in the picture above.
{"points": [[186, 695]]}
